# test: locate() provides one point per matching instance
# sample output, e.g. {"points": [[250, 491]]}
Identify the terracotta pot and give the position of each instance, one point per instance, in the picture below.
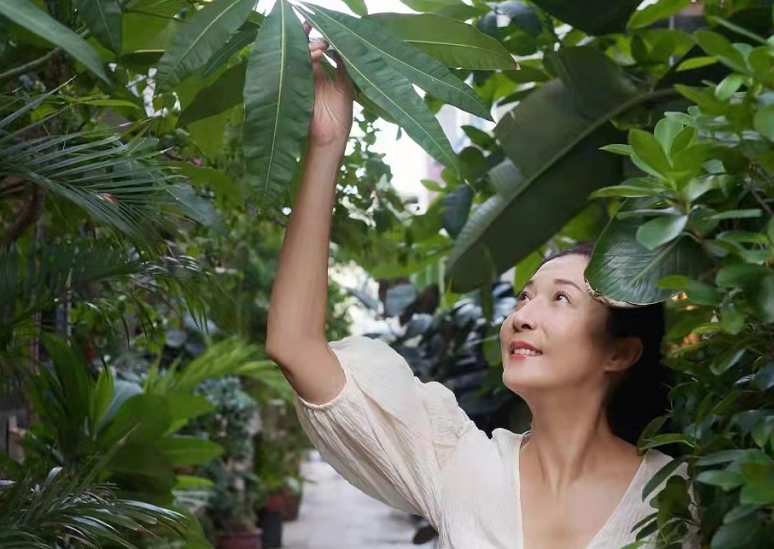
{"points": [[244, 539], [291, 507]]}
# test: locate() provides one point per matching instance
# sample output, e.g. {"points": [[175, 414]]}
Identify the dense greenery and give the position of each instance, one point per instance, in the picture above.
{"points": [[149, 150]]}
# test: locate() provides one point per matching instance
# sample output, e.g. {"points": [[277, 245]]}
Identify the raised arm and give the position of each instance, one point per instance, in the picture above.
{"points": [[297, 314]]}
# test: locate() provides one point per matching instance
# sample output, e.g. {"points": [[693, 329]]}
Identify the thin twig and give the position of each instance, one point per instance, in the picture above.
{"points": [[27, 67]]}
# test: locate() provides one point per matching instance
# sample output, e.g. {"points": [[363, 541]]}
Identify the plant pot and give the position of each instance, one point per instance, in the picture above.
{"points": [[291, 507], [241, 539], [271, 526]]}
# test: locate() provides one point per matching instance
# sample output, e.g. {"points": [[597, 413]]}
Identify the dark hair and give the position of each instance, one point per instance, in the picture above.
{"points": [[642, 394]]}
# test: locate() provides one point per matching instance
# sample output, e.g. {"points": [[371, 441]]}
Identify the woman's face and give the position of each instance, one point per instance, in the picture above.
{"points": [[557, 336]]}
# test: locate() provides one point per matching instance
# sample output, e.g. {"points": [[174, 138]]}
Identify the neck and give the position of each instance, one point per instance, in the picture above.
{"points": [[570, 436]]}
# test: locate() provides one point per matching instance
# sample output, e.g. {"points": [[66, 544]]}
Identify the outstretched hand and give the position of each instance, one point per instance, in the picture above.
{"points": [[333, 96]]}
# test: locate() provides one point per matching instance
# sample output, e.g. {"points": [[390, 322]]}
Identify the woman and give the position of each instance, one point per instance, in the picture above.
{"points": [[571, 483]]}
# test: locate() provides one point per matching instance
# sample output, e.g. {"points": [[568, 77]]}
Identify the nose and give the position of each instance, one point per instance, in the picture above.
{"points": [[522, 318]]}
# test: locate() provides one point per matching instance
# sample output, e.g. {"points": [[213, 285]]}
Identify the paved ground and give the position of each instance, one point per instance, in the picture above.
{"points": [[334, 515]]}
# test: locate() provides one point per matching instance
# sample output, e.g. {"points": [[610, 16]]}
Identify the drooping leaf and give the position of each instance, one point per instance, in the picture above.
{"points": [[181, 451], [624, 270], [453, 43], [386, 87], [279, 99], [226, 92], [200, 38], [235, 44], [413, 63], [593, 16], [25, 14], [358, 7], [456, 209], [552, 137], [663, 9], [103, 18]]}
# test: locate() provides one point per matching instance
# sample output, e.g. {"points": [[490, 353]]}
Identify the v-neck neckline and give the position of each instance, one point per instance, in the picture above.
{"points": [[633, 484]]}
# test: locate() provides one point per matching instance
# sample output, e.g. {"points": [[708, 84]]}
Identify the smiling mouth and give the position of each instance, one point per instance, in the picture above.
{"points": [[522, 351]]}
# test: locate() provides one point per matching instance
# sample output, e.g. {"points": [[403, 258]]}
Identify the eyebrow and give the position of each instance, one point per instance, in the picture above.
{"points": [[560, 281]]}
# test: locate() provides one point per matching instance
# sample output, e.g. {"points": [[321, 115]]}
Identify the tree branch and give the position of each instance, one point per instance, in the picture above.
{"points": [[27, 67], [27, 218]]}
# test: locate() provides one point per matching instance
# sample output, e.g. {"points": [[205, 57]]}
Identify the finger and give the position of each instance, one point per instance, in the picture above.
{"points": [[315, 46], [317, 55]]}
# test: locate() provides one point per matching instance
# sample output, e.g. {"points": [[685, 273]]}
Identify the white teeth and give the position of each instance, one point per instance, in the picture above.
{"points": [[526, 352]]}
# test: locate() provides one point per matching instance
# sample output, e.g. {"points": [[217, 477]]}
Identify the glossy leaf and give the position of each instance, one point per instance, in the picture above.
{"points": [[661, 230], [103, 18], [203, 35], [453, 43], [279, 99], [413, 63], [235, 44], [25, 14], [456, 207], [649, 152], [624, 270], [592, 17], [552, 137], [386, 87], [661, 477], [764, 122]]}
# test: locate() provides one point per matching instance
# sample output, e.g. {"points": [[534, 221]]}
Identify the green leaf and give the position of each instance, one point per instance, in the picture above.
{"points": [[103, 18], [203, 35], [717, 45], [102, 396], [763, 122], [661, 476], [431, 5], [599, 17], [624, 270], [623, 150], [235, 44], [526, 269], [663, 9], [666, 131], [669, 438], [726, 360], [661, 230], [696, 63], [731, 319], [737, 214], [453, 43], [358, 7], [413, 63], [184, 407], [386, 87], [279, 100], [143, 418], [26, 15], [479, 137], [181, 451], [650, 152], [552, 137], [218, 97], [456, 207], [726, 480], [729, 86], [739, 534]]}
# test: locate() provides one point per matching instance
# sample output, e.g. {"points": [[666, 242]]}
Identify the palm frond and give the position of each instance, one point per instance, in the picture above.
{"points": [[121, 185], [67, 508]]}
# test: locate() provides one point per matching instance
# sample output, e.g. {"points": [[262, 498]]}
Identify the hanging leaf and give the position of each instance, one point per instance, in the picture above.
{"points": [[453, 43], [218, 97], [200, 38], [456, 207], [417, 66], [358, 7], [236, 43], [624, 270], [279, 100], [386, 87], [103, 18], [25, 14], [663, 9], [592, 16]]}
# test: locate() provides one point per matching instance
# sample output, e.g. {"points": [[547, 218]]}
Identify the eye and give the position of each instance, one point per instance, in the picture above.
{"points": [[562, 296], [523, 296]]}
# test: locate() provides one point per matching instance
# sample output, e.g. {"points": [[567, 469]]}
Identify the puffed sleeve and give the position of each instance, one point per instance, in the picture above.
{"points": [[387, 433]]}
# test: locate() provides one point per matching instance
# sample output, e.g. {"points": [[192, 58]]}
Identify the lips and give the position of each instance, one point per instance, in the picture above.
{"points": [[521, 349]]}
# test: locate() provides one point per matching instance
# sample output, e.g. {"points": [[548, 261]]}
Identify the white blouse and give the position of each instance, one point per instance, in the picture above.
{"points": [[409, 445]]}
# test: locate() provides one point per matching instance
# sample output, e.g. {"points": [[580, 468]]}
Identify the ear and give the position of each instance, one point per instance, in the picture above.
{"points": [[626, 352]]}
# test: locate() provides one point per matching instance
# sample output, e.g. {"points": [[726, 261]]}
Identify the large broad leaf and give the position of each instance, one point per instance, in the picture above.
{"points": [[386, 87], [414, 64], [279, 100], [236, 43], [25, 14], [103, 18], [624, 270], [553, 138], [200, 38], [218, 97], [180, 451], [592, 16], [453, 43]]}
